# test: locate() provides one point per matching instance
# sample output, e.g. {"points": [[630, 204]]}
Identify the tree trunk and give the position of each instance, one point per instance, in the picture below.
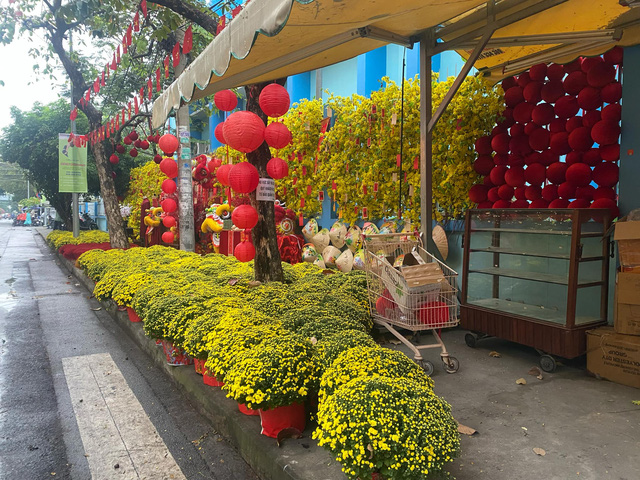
{"points": [[62, 204], [117, 235], [267, 263]]}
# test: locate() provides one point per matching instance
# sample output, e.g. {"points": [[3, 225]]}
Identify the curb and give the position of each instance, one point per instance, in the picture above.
{"points": [[296, 459]]}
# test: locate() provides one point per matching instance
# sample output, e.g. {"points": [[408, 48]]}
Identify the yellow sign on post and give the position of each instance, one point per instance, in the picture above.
{"points": [[72, 165]]}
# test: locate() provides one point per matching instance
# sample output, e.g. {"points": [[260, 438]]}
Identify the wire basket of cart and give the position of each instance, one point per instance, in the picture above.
{"points": [[411, 289]]}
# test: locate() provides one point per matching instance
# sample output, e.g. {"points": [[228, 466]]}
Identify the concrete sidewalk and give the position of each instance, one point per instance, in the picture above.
{"points": [[588, 428]]}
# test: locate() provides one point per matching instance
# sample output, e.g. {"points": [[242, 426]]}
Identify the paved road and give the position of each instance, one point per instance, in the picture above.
{"points": [[78, 399]]}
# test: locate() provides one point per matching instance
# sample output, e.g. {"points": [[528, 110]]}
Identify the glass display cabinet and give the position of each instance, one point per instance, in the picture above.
{"points": [[537, 277]]}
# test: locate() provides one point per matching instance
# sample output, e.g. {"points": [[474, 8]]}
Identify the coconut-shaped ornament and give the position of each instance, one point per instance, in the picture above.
{"points": [[388, 227], [353, 239], [344, 262], [337, 234], [309, 253], [321, 239], [319, 262], [330, 254], [370, 229], [310, 229], [358, 260]]}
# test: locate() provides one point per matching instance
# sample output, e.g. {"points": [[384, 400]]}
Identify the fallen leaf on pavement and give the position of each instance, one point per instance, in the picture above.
{"points": [[635, 402], [96, 309], [521, 381], [395, 342], [539, 451], [288, 433], [539, 377], [495, 354], [535, 371], [463, 429]]}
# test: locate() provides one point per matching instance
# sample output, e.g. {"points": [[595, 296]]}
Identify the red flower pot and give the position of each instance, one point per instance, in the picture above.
{"points": [[246, 410], [279, 418], [175, 355], [210, 380], [199, 365], [133, 316]]}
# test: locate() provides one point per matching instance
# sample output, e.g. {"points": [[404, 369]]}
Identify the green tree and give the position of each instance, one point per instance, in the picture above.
{"points": [[29, 202]]}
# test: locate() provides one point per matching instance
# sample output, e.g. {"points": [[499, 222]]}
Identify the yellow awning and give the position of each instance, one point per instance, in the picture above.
{"points": [[270, 39]]}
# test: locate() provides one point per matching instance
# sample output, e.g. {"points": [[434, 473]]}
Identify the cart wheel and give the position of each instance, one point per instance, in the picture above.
{"points": [[450, 364], [427, 366], [548, 363], [471, 340]]}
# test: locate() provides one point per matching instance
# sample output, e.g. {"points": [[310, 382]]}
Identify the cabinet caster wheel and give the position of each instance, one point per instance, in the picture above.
{"points": [[471, 340], [450, 364], [548, 363], [427, 366]]}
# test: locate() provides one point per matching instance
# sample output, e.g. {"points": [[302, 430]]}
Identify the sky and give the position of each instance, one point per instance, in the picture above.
{"points": [[22, 87]]}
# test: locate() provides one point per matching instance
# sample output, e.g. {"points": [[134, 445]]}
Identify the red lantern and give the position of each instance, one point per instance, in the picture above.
{"points": [[559, 143], [610, 153], [519, 145], [607, 203], [514, 177], [120, 148], [127, 141], [533, 192], [168, 143], [590, 62], [519, 193], [520, 203], [218, 132], [580, 139], [501, 204], [169, 205], [605, 132], [579, 203], [513, 96], [167, 237], [169, 186], [114, 159], [524, 79], [578, 174], [539, 139], [144, 144], [543, 114], [137, 144], [157, 158], [614, 55], [612, 112], [522, 112], [223, 174], [169, 221], [566, 106], [213, 164], [552, 91], [532, 92], [606, 174], [508, 82], [492, 195], [244, 217], [133, 135], [575, 82], [225, 100], [133, 152], [538, 72], [245, 251], [244, 131], [539, 203], [590, 118], [244, 177], [277, 168], [500, 159], [573, 66], [274, 100], [535, 174], [574, 157], [277, 135], [555, 72], [556, 172], [497, 174], [500, 143], [482, 165], [505, 192], [557, 125], [559, 203], [478, 193], [550, 192], [601, 74], [589, 98], [611, 93], [604, 192], [586, 192], [169, 167], [548, 157], [483, 146], [516, 129]]}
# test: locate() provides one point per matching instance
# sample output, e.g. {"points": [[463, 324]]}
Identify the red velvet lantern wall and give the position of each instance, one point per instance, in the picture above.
{"points": [[244, 177], [168, 143], [478, 193], [274, 100], [277, 135], [245, 251], [244, 217], [169, 167], [222, 174], [277, 168], [244, 131], [225, 100]]}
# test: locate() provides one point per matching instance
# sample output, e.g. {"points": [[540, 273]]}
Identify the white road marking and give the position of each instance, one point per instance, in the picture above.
{"points": [[115, 429]]}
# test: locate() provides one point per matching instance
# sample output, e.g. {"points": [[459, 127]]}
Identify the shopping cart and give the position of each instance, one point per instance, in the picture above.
{"points": [[411, 289]]}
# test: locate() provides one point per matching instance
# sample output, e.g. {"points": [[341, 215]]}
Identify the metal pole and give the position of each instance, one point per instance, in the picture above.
{"points": [[427, 42], [185, 187], [74, 196]]}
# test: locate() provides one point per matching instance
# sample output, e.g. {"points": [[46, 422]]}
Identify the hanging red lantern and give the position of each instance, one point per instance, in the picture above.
{"points": [[513, 96], [500, 143], [478, 193], [244, 131], [169, 221], [274, 100], [589, 62], [550, 192], [244, 177], [556, 172], [533, 92], [225, 100], [169, 205], [580, 139], [169, 186], [610, 153], [133, 152], [612, 112], [578, 174], [492, 195], [223, 174], [606, 174], [169, 167], [607, 203], [245, 251], [579, 203], [244, 217], [277, 135], [604, 192], [213, 164], [601, 74], [535, 174], [114, 159], [614, 55], [497, 174], [120, 148], [589, 98], [552, 91], [219, 134], [533, 192], [144, 144], [575, 82], [505, 192], [137, 143], [539, 139], [567, 190], [539, 203], [168, 143], [514, 177], [133, 135], [157, 158], [566, 106], [167, 237], [127, 141], [278, 168], [559, 203], [542, 114], [611, 93], [605, 132], [559, 143]]}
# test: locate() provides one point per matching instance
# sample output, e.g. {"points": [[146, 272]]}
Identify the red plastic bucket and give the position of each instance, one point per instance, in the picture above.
{"points": [[247, 411], [133, 316], [199, 365], [277, 419]]}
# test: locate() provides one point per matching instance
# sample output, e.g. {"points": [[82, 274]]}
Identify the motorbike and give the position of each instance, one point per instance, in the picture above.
{"points": [[87, 223]]}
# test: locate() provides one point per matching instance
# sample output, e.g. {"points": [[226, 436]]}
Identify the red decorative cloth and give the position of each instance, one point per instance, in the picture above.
{"points": [[290, 248]]}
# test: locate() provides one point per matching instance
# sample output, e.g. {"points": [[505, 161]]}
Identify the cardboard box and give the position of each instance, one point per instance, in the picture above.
{"points": [[627, 234], [613, 356], [626, 313], [414, 285]]}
